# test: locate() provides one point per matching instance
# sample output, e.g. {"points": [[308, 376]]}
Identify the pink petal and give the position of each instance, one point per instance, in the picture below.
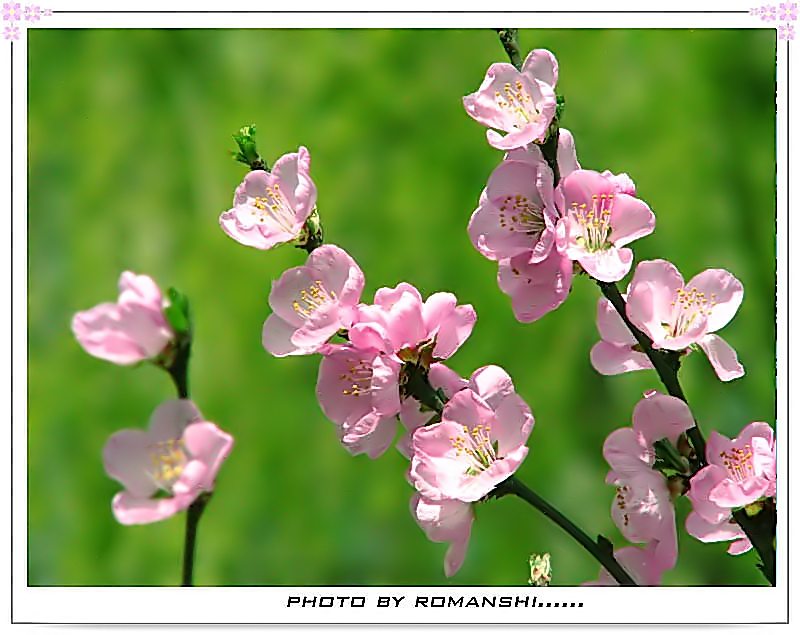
{"points": [[371, 435], [541, 65], [209, 445], [126, 458], [565, 155], [609, 265], [492, 384], [334, 385], [437, 308], [651, 292], [287, 291], [338, 272], [447, 379], [276, 337], [631, 218], [318, 328], [130, 510], [291, 171], [727, 294], [626, 451], [454, 331], [611, 326], [613, 359], [661, 417], [701, 486], [139, 290], [722, 357], [535, 289], [170, 419], [514, 424], [251, 236]]}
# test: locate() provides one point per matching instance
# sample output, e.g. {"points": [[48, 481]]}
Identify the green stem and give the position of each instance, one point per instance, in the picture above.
{"points": [[508, 38], [193, 515]]}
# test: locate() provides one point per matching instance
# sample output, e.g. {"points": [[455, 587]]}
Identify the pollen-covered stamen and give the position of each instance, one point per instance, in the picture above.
{"points": [[358, 378], [476, 446], [312, 298], [738, 462], [519, 214], [620, 502], [689, 306], [517, 102], [595, 222], [272, 205], [167, 459]]}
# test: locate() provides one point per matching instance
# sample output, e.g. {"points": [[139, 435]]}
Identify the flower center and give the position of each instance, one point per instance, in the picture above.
{"points": [[477, 448], [312, 298], [517, 102], [738, 462], [274, 206], [688, 306], [518, 213], [359, 379], [167, 458], [595, 222]]}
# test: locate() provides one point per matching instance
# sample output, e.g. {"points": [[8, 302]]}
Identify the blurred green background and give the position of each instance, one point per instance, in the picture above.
{"points": [[129, 134]]}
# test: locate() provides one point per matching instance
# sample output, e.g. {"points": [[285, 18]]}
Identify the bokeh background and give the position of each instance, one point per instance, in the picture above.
{"points": [[129, 135]]}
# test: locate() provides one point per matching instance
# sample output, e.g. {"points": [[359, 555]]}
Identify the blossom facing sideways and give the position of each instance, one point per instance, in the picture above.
{"points": [[312, 302], [599, 217], [473, 448], [270, 208], [166, 467], [676, 315], [520, 103], [129, 331]]}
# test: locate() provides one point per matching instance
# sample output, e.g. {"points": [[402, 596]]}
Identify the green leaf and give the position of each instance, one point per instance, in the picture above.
{"points": [[177, 312]]}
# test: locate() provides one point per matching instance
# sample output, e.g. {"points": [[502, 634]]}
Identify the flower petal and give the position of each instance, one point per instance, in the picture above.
{"points": [[725, 291], [722, 357]]}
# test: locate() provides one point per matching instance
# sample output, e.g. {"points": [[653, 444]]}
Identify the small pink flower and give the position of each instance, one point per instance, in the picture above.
{"points": [[11, 33], [33, 13], [641, 563], [600, 217], [445, 520], [786, 32], [768, 13], [312, 302], [521, 104], [535, 288], [270, 208], [130, 331], [739, 471], [473, 448], [788, 11], [676, 315], [358, 390], [400, 322], [178, 456], [565, 154], [516, 213], [12, 11], [617, 351]]}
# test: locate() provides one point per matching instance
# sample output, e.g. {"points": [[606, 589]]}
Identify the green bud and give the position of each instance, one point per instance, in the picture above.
{"points": [[177, 312]]}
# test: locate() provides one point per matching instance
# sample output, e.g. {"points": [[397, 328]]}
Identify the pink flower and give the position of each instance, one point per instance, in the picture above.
{"points": [[788, 11], [768, 13], [473, 448], [739, 471], [698, 527], [178, 456], [676, 315], [130, 331], [642, 564], [270, 208], [400, 322], [617, 351], [358, 390], [445, 520], [11, 32], [12, 11], [521, 104], [312, 302], [600, 217], [565, 154], [642, 508], [535, 288], [33, 13], [786, 32], [516, 213]]}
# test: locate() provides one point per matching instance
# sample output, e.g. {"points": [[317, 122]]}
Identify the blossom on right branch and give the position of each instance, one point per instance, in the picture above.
{"points": [[519, 103], [270, 208], [677, 315]]}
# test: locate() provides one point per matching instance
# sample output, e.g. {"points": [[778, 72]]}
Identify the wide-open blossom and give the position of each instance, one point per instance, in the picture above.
{"points": [[130, 331], [357, 389], [472, 449], [600, 217], [676, 315], [519, 103], [312, 302], [617, 351], [641, 563], [166, 467], [445, 520], [400, 322], [642, 507], [270, 208], [535, 288], [516, 213]]}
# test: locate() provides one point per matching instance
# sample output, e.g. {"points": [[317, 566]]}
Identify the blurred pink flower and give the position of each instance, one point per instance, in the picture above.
{"points": [[312, 302], [599, 217], [270, 208], [474, 447], [676, 315], [178, 456], [130, 331], [520, 103]]}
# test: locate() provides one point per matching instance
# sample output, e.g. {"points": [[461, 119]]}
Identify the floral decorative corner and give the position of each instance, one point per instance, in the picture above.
{"points": [[14, 12], [785, 12]]}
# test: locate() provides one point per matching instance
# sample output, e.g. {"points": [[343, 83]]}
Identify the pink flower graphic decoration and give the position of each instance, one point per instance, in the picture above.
{"points": [[787, 11], [12, 11], [33, 13], [178, 457], [11, 33], [786, 32]]}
